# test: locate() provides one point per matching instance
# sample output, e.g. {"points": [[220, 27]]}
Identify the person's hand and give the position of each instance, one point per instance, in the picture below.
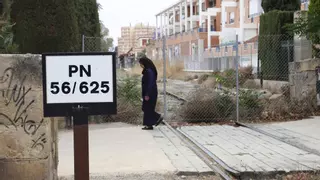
{"points": [[146, 98]]}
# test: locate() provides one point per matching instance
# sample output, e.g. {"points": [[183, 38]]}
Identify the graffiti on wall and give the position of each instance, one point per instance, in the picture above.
{"points": [[15, 95]]}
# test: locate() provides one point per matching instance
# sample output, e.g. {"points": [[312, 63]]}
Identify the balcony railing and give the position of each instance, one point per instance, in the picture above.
{"points": [[254, 15], [206, 29]]}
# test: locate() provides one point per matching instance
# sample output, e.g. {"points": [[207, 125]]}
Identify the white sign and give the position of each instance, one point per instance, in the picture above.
{"points": [[79, 79]]}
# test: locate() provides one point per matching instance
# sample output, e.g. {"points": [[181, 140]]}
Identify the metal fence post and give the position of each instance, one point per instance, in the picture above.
{"points": [[82, 42], [237, 76], [164, 77]]}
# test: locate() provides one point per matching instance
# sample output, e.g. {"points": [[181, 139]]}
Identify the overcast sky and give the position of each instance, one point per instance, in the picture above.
{"points": [[117, 13]]}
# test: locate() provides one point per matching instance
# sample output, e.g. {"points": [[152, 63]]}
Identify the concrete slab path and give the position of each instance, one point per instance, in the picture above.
{"points": [[304, 134], [182, 158], [120, 149], [123, 150], [245, 150]]}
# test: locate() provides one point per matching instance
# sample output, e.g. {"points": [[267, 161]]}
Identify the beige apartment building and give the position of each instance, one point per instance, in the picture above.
{"points": [[212, 22], [198, 30], [135, 38]]}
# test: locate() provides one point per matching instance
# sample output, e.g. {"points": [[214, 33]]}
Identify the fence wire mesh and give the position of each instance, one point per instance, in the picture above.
{"points": [[272, 86], [91, 44], [128, 88], [202, 86]]}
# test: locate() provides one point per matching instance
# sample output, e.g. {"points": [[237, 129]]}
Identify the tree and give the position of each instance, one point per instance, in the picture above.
{"points": [[274, 57], [6, 39], [282, 5], [314, 26], [45, 26], [272, 35], [106, 40], [307, 24], [6, 9], [88, 17]]}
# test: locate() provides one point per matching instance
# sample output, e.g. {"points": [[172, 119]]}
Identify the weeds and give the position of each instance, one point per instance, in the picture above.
{"points": [[129, 103], [203, 78], [249, 104], [173, 71], [214, 107]]}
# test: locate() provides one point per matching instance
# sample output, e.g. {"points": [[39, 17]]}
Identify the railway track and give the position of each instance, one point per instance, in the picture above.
{"points": [[217, 166]]}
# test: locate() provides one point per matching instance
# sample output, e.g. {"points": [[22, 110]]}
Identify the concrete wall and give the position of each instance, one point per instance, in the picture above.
{"points": [[302, 77], [28, 141]]}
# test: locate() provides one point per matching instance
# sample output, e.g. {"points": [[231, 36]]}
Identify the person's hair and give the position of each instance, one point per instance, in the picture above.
{"points": [[147, 63]]}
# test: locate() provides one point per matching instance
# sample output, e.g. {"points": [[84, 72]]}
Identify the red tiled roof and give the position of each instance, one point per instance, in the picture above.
{"points": [[252, 40]]}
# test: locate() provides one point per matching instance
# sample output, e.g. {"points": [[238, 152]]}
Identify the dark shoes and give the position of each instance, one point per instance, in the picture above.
{"points": [[147, 128], [160, 120]]}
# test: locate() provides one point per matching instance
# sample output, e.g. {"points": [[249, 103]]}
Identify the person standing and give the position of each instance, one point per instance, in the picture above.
{"points": [[149, 94]]}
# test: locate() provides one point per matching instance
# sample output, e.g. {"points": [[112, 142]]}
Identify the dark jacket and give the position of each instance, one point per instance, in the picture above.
{"points": [[149, 83]]}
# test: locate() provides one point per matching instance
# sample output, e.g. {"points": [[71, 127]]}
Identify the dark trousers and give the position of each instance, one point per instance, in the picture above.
{"points": [[150, 116]]}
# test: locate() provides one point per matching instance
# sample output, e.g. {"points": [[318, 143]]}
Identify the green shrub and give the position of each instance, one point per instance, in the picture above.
{"points": [[45, 26], [272, 36], [128, 89], [284, 5], [129, 103], [228, 77], [208, 107], [314, 14], [88, 17], [6, 39], [250, 105]]}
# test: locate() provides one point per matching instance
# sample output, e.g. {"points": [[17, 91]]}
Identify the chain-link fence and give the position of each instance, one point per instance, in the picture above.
{"points": [[128, 87], [267, 78], [98, 44], [92, 44]]}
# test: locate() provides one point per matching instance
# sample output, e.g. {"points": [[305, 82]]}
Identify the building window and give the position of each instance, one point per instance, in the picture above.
{"points": [[212, 3], [234, 48], [204, 7], [245, 46], [255, 45], [231, 17], [218, 49]]}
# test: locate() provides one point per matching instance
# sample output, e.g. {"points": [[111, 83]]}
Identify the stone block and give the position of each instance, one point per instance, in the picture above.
{"points": [[27, 139], [23, 169]]}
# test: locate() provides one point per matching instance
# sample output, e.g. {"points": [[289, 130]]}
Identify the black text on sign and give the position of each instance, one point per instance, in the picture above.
{"points": [[93, 87]]}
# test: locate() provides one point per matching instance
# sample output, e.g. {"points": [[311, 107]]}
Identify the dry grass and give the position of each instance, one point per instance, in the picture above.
{"points": [[207, 106], [203, 78], [209, 83], [172, 71], [282, 109], [127, 113]]}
